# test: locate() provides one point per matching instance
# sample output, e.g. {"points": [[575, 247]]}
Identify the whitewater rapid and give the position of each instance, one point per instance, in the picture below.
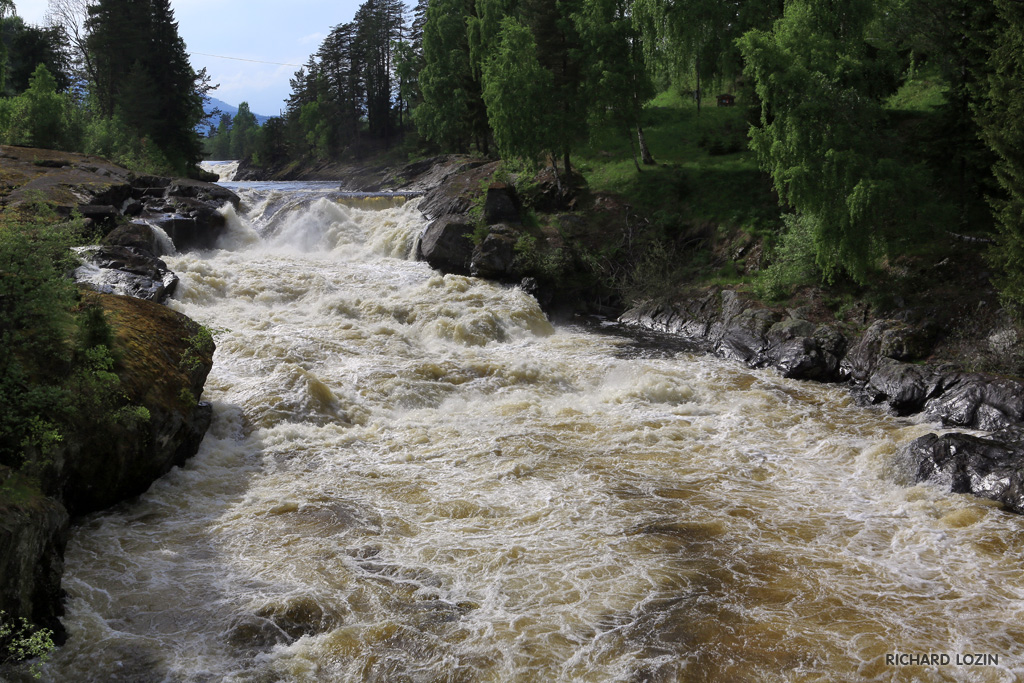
{"points": [[417, 477]]}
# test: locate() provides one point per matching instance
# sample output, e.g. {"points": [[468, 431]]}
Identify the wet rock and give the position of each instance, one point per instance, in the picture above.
{"points": [[299, 617], [745, 335], [979, 402], [804, 358], [989, 467], [446, 245], [256, 633], [138, 236], [886, 339], [494, 257], [502, 205], [190, 223], [127, 271]]}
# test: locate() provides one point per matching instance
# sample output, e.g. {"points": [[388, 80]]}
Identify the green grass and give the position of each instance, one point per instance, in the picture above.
{"points": [[922, 93], [705, 170]]}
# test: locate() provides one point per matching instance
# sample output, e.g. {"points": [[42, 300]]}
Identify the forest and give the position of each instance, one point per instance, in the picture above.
{"points": [[876, 123]]}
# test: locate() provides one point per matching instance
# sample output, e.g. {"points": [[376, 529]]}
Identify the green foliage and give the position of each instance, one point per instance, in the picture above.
{"points": [[35, 318], [198, 345], [820, 86], [792, 260], [452, 112], [1002, 119], [517, 92], [56, 362], [39, 117], [20, 641]]}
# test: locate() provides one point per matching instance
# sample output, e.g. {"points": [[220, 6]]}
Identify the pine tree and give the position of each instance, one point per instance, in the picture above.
{"points": [[142, 72]]}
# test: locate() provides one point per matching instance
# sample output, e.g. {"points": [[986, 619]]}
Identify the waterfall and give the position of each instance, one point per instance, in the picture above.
{"points": [[416, 477]]}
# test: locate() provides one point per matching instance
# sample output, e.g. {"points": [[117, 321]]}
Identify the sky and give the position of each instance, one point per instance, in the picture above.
{"points": [[286, 33]]}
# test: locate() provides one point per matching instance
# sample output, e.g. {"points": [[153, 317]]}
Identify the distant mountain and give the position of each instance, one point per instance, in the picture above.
{"points": [[213, 103]]}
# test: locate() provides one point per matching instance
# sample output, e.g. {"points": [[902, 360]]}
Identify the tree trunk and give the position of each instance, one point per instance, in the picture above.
{"points": [[558, 180], [645, 152], [632, 148], [700, 95]]}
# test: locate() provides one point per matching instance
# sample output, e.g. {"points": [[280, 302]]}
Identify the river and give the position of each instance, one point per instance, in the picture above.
{"points": [[416, 477]]}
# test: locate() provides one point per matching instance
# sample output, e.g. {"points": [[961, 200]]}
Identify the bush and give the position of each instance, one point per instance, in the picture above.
{"points": [[19, 642], [792, 260]]}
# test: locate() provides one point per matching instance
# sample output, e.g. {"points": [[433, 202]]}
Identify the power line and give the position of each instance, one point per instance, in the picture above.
{"points": [[239, 59]]}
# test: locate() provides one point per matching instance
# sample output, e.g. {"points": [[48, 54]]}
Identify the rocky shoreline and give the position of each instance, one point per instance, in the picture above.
{"points": [[875, 363], [163, 357], [884, 362]]}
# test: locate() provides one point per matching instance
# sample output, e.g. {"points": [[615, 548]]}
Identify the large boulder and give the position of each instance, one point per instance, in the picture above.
{"points": [[502, 205], [990, 467], [495, 256], [163, 361], [979, 401], [446, 244]]}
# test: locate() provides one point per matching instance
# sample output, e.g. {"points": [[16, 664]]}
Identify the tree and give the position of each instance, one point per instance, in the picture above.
{"points": [[819, 138], [69, 17], [560, 51], [6, 7], [516, 88], [452, 113], [1002, 122], [46, 110], [243, 133], [135, 45], [620, 83]]}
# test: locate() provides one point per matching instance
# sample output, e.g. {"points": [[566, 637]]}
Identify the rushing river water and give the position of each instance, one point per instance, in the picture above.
{"points": [[415, 477]]}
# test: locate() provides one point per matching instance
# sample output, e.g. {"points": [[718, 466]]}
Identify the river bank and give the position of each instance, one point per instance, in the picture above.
{"points": [[159, 359], [939, 345]]}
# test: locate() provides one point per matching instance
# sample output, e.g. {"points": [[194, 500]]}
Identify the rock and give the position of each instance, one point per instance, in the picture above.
{"points": [[886, 339], [203, 191], [458, 192], [163, 362], [502, 205], [126, 271], [904, 386], [138, 236], [989, 467], [446, 245], [804, 358], [299, 617], [103, 214], [744, 336], [132, 207], [979, 402], [33, 533], [494, 257], [190, 223]]}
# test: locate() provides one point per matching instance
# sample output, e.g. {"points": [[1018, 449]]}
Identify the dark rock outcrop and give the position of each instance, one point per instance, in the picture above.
{"points": [[446, 244], [502, 205], [988, 467], [107, 194], [494, 258], [33, 533], [164, 361]]}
